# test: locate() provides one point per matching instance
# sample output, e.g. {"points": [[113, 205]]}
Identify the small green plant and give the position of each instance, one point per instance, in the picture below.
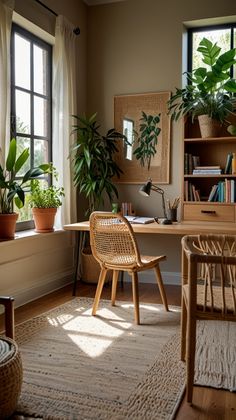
{"points": [[11, 187], [148, 138], [43, 196]]}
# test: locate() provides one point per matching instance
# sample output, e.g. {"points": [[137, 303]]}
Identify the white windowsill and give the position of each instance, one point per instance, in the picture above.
{"points": [[30, 233]]}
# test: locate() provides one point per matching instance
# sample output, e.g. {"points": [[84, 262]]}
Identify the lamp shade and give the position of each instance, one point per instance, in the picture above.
{"points": [[146, 189]]}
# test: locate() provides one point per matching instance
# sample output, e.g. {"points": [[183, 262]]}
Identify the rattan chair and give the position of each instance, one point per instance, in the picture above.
{"points": [[114, 246], [8, 303], [208, 289]]}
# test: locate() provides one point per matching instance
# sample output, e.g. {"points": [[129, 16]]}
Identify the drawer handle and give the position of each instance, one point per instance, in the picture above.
{"points": [[208, 211]]}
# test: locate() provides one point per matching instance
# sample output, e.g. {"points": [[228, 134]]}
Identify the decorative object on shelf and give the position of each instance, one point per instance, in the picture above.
{"points": [[93, 161], [44, 201], [147, 139], [210, 92], [129, 109], [12, 188], [146, 191]]}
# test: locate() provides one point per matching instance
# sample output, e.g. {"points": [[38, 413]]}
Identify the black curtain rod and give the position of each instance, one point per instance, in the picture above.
{"points": [[76, 30]]}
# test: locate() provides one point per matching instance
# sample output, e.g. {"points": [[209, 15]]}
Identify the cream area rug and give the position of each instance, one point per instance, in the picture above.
{"points": [[77, 366]]}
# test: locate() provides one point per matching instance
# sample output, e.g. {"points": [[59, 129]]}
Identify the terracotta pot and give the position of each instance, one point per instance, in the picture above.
{"points": [[8, 225], [208, 126], [44, 219]]}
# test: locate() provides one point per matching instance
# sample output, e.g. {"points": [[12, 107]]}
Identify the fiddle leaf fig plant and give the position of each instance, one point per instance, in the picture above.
{"points": [[210, 90], [147, 139], [93, 160], [11, 184]]}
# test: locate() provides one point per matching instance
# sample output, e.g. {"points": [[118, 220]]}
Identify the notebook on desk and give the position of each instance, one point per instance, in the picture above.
{"points": [[139, 219]]}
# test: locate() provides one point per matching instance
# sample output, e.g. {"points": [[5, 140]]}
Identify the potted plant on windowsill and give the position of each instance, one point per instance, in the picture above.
{"points": [[209, 96], [11, 187], [45, 201]]}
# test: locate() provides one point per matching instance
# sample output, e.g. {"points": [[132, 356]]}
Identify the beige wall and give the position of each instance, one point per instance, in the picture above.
{"points": [[135, 46]]}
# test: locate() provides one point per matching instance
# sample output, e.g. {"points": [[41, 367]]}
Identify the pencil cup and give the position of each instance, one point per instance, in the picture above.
{"points": [[172, 214]]}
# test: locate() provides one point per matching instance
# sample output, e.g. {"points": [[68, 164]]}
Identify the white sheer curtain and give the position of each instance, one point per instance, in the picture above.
{"points": [[64, 106], [6, 10]]}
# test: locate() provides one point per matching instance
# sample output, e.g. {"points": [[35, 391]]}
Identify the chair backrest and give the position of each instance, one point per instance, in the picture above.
{"points": [[212, 264], [112, 240]]}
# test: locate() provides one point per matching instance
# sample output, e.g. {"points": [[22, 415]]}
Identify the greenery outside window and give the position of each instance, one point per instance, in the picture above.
{"points": [[31, 104]]}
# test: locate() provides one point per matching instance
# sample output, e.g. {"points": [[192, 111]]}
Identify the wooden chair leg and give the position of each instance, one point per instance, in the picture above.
{"points": [[135, 297], [190, 362], [161, 287], [115, 277], [8, 303], [98, 293], [183, 329]]}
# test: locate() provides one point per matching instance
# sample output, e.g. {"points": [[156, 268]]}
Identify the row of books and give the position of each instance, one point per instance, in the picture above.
{"points": [[223, 192], [190, 192], [192, 165]]}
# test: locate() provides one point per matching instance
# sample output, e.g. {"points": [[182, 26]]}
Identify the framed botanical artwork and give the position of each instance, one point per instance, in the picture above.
{"points": [[144, 119]]}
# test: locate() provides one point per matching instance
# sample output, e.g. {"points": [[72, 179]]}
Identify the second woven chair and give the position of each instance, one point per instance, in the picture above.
{"points": [[114, 246]]}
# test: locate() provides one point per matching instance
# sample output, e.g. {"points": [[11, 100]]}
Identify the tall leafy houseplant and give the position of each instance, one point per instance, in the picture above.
{"points": [[12, 187], [93, 160], [210, 91]]}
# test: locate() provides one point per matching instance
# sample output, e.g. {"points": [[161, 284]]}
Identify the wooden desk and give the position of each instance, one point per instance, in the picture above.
{"points": [[151, 228]]}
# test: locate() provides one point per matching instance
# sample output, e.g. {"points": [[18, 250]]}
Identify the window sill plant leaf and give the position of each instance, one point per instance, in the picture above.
{"points": [[11, 187]]}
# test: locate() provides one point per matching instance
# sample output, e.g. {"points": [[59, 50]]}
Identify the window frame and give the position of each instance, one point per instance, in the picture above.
{"points": [[34, 40], [191, 31]]}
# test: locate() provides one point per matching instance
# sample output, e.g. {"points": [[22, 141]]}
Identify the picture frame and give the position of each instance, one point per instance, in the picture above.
{"points": [[128, 110]]}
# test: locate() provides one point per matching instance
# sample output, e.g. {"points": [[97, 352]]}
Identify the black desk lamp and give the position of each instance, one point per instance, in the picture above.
{"points": [[146, 190]]}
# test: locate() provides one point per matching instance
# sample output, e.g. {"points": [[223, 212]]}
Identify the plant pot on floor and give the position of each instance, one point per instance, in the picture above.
{"points": [[8, 225], [208, 126], [90, 268], [44, 219]]}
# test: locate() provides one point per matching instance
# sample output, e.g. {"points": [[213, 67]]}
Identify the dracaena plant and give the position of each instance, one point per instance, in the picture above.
{"points": [[11, 185], [210, 90], [93, 160]]}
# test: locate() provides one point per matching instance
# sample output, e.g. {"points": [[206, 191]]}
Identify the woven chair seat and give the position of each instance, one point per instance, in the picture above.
{"points": [[10, 376]]}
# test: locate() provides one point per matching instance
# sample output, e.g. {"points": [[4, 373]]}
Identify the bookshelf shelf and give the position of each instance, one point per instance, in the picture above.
{"points": [[208, 196]]}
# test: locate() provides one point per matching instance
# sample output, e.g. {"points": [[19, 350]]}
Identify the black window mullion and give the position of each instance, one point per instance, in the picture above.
{"points": [[31, 105]]}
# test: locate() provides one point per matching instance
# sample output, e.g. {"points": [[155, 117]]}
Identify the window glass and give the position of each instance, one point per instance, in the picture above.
{"points": [[22, 62], [40, 152], [40, 70], [23, 110], [40, 116]]}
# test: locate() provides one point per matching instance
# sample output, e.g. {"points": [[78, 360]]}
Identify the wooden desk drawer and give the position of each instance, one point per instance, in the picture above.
{"points": [[209, 212]]}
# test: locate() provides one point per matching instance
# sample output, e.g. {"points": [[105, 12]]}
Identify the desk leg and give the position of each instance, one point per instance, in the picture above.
{"points": [[79, 244]]}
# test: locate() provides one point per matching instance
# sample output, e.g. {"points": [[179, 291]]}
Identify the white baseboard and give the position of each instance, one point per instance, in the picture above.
{"points": [[42, 288], [169, 277]]}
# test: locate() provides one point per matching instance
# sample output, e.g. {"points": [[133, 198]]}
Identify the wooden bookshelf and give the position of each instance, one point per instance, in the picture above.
{"points": [[209, 152]]}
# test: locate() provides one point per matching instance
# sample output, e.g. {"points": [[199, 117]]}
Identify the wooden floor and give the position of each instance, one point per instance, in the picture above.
{"points": [[208, 403]]}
